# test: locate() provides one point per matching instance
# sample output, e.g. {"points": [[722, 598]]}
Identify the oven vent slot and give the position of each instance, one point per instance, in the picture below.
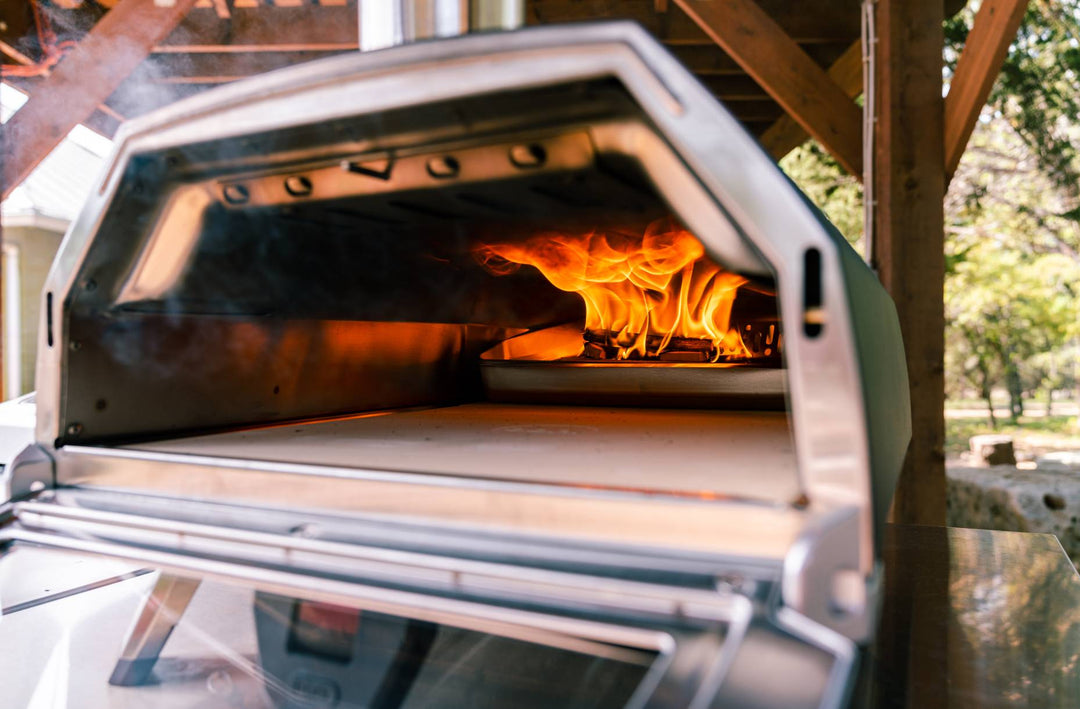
{"points": [[813, 313]]}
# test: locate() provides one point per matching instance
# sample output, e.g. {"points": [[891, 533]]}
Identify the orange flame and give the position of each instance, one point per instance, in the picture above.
{"points": [[635, 288]]}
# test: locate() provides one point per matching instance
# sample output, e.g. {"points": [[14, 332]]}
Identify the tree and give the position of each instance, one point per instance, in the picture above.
{"points": [[1038, 90], [1003, 308]]}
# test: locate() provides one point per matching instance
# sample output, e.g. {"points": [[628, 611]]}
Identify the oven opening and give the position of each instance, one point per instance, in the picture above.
{"points": [[532, 309], [652, 296]]}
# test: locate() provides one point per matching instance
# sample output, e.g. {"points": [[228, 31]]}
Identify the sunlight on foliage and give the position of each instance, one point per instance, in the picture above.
{"points": [[835, 192]]}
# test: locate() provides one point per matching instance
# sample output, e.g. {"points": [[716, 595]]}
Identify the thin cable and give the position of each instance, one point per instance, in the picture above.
{"points": [[869, 47]]}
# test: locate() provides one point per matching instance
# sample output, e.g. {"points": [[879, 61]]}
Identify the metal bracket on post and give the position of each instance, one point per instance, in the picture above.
{"points": [[160, 614]]}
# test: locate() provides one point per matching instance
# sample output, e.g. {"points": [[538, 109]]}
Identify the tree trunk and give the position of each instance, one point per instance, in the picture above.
{"points": [[985, 390], [990, 408], [1016, 394]]}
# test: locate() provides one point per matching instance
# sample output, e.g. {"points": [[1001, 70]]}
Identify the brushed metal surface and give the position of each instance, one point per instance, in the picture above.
{"points": [[30, 577], [186, 372], [652, 450], [454, 541], [629, 521], [635, 384]]}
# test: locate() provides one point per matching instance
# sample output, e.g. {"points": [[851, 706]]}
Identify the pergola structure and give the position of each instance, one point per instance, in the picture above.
{"points": [[787, 69]]}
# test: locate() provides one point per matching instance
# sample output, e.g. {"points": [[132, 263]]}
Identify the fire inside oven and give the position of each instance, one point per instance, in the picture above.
{"points": [[650, 294]]}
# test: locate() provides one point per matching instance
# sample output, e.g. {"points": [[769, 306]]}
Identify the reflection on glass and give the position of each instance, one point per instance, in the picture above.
{"points": [[1014, 625], [239, 648], [375, 660]]}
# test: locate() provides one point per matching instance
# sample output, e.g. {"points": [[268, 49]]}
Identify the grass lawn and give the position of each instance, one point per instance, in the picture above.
{"points": [[1032, 435]]}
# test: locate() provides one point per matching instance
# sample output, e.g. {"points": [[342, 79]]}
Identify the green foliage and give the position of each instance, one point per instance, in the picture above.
{"points": [[1038, 90], [835, 192]]}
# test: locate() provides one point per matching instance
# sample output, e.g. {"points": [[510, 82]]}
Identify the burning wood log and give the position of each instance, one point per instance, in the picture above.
{"points": [[758, 339]]}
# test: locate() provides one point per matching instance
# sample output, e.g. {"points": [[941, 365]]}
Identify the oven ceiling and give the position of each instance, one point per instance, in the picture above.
{"points": [[224, 40]]}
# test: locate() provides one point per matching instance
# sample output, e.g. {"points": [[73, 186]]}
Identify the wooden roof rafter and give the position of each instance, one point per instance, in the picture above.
{"points": [[805, 91], [208, 48], [787, 134], [785, 73]]}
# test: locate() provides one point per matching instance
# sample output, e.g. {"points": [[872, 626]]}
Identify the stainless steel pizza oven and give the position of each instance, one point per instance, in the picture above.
{"points": [[532, 298]]}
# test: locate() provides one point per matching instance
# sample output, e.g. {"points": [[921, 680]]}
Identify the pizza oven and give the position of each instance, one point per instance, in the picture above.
{"points": [[522, 286]]}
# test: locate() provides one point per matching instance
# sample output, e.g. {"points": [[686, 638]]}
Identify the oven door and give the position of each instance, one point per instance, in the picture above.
{"points": [[106, 608]]}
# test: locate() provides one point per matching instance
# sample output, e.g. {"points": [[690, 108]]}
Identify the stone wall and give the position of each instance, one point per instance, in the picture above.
{"points": [[1045, 500]]}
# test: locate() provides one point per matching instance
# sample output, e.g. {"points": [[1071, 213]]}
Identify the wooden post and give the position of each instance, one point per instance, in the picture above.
{"points": [[908, 241]]}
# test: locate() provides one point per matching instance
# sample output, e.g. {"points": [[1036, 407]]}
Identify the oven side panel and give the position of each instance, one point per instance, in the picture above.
{"points": [[886, 395]]}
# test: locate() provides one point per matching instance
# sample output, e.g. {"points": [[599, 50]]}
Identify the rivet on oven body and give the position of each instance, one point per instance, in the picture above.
{"points": [[235, 194], [528, 155], [298, 186], [443, 167]]}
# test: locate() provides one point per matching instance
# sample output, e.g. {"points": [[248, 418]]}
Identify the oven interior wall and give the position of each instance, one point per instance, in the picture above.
{"points": [[332, 308], [326, 307]]}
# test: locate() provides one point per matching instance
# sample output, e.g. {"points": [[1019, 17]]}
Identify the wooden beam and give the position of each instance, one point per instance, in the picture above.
{"points": [[908, 234], [978, 67], [313, 48], [83, 80], [104, 121], [319, 26], [786, 134], [832, 21], [220, 64], [711, 60], [785, 71]]}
